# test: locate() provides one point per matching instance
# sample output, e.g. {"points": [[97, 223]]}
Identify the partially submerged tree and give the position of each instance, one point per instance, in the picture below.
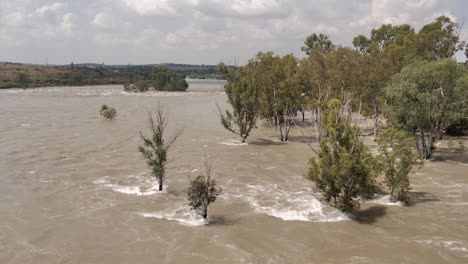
{"points": [[425, 98], [203, 191], [107, 112], [397, 157], [156, 147], [241, 91], [343, 170]]}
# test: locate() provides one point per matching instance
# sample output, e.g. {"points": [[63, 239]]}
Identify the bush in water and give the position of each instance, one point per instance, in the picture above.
{"points": [[108, 112], [203, 191]]}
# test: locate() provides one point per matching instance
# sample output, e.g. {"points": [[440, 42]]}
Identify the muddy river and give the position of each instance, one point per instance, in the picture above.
{"points": [[75, 189]]}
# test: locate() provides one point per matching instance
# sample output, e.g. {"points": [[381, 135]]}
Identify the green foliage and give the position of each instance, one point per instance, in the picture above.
{"points": [[108, 112], [344, 168], [242, 94], [425, 98], [203, 191], [141, 86], [438, 40], [319, 42], [22, 80], [397, 156], [160, 78], [156, 147]]}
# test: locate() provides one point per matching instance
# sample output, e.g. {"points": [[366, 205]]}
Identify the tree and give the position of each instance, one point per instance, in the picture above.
{"points": [[343, 170], [155, 148], [108, 112], [362, 43], [397, 158], [439, 39], [279, 89], [425, 98], [242, 95], [203, 191], [319, 42], [22, 80], [141, 86]]}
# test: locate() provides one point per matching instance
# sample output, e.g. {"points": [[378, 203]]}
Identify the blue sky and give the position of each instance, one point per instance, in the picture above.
{"points": [[194, 31]]}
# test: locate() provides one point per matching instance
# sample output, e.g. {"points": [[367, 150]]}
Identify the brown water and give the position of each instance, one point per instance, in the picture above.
{"points": [[74, 189]]}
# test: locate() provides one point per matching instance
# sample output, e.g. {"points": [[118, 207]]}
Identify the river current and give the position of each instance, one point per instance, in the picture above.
{"points": [[75, 189]]}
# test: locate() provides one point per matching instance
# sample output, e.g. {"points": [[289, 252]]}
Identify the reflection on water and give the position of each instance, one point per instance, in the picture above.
{"points": [[74, 189]]}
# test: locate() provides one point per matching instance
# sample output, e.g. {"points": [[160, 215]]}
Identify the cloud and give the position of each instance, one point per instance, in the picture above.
{"points": [[159, 7], [53, 7], [195, 31]]}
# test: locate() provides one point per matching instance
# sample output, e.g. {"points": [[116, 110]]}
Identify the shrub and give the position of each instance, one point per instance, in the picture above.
{"points": [[108, 112]]}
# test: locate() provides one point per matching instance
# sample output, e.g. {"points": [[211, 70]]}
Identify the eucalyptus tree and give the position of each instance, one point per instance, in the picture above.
{"points": [[156, 147], [397, 157], [425, 98], [241, 90], [439, 39], [319, 42]]}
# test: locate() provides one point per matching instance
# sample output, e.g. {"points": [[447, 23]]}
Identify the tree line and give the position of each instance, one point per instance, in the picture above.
{"points": [[158, 79], [404, 80]]}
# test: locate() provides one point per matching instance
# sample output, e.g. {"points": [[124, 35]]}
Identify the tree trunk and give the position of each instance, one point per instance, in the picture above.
{"points": [[376, 123], [303, 115], [318, 121], [160, 185], [287, 127], [360, 105], [205, 213], [280, 127]]}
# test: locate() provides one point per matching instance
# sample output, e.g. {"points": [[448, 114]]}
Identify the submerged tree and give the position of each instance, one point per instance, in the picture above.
{"points": [[397, 158], [241, 91], [203, 191], [156, 147], [343, 170], [108, 112], [425, 98]]}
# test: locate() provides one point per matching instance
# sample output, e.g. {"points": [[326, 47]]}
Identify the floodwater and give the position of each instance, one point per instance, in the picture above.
{"points": [[75, 189]]}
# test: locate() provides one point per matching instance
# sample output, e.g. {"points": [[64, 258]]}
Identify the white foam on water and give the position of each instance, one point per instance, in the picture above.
{"points": [[384, 200], [451, 245], [136, 190], [188, 170], [25, 125], [181, 214], [298, 205], [143, 187], [233, 142], [269, 168]]}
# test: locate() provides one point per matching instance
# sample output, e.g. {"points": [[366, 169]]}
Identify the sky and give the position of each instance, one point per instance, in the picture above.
{"points": [[195, 31]]}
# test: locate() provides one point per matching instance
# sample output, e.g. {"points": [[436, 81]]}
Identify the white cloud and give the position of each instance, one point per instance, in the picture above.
{"points": [[255, 7], [53, 7], [103, 20], [66, 25], [198, 31], [159, 7]]}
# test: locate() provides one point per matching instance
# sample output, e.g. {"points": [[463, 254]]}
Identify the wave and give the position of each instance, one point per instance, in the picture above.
{"points": [[111, 90], [137, 185], [233, 142], [451, 245], [299, 205], [181, 214], [384, 200]]}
